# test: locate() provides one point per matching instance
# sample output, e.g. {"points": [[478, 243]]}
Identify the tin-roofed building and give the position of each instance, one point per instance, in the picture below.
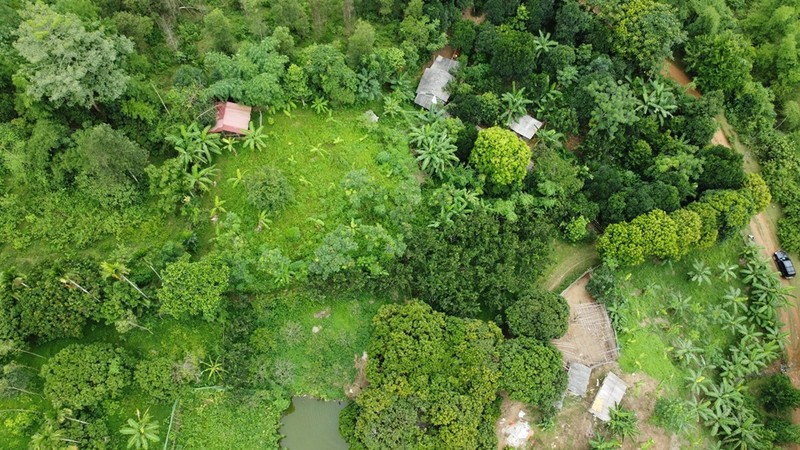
{"points": [[431, 89], [526, 126]]}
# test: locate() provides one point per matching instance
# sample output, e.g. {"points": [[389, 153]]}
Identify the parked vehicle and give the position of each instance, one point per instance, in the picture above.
{"points": [[784, 264]]}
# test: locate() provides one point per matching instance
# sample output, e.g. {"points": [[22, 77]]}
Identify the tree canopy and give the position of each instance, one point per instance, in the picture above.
{"points": [[67, 64]]}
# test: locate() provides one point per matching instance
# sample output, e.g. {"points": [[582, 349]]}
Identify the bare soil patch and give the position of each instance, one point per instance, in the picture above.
{"points": [[590, 338], [674, 72], [468, 14], [352, 390], [575, 425]]}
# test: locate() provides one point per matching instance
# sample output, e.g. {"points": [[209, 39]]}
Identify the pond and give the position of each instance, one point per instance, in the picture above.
{"points": [[311, 424]]}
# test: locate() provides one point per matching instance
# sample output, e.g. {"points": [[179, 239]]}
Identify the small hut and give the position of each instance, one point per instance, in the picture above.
{"points": [[609, 396], [431, 86], [526, 126], [232, 118]]}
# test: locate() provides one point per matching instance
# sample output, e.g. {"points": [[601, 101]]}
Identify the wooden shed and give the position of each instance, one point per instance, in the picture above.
{"points": [[232, 118]]}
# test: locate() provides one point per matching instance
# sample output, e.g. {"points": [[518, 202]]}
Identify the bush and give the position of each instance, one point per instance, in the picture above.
{"points": [[674, 414], [785, 431], [538, 314], [192, 288], [532, 371], [778, 394], [575, 229], [154, 377], [269, 190], [81, 376], [501, 156]]}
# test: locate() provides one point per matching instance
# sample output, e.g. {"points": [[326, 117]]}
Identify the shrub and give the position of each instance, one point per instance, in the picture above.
{"points": [[575, 229], [269, 190], [674, 414], [155, 377], [778, 394], [501, 156], [82, 376], [192, 288], [531, 371], [538, 314]]}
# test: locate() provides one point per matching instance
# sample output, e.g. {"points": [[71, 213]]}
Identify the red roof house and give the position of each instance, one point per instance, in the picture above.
{"points": [[232, 118]]}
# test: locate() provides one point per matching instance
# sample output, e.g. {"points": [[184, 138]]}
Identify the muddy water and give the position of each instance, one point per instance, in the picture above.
{"points": [[311, 424]]}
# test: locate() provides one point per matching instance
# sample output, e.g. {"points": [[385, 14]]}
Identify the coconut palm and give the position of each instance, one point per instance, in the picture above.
{"points": [[68, 280], [8, 346], [50, 437], [118, 271], [142, 431]]}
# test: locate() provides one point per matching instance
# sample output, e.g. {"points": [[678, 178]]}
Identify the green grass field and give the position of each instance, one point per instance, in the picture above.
{"points": [[314, 152]]}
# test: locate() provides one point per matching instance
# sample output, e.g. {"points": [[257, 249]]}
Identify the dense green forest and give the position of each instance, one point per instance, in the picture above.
{"points": [[162, 285]]}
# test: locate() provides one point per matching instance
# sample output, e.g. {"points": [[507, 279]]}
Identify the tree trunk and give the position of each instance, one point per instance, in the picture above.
{"points": [[135, 286]]}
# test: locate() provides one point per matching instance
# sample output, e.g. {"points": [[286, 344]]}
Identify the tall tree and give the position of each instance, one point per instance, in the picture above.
{"points": [[65, 63]]}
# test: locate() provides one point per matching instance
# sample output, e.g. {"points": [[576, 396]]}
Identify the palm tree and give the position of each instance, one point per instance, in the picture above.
{"points": [[49, 437], [255, 138], [68, 280], [543, 44], [118, 271], [700, 273], [213, 369], [727, 271], [235, 181], [8, 346], [217, 209], [142, 431], [515, 103], [201, 179]]}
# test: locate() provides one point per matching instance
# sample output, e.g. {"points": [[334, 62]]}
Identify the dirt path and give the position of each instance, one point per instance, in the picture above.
{"points": [[467, 14], [763, 230]]}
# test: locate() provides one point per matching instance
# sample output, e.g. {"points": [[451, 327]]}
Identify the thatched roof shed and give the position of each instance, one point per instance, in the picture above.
{"points": [[431, 86], [232, 118], [609, 396], [526, 126]]}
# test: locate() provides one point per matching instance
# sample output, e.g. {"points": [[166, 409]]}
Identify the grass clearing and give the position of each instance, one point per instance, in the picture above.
{"points": [[652, 323], [314, 152], [317, 364], [569, 262]]}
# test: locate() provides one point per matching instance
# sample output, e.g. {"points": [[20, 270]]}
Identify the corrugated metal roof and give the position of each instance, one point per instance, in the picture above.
{"points": [[526, 126], [431, 86], [609, 396], [578, 379]]}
